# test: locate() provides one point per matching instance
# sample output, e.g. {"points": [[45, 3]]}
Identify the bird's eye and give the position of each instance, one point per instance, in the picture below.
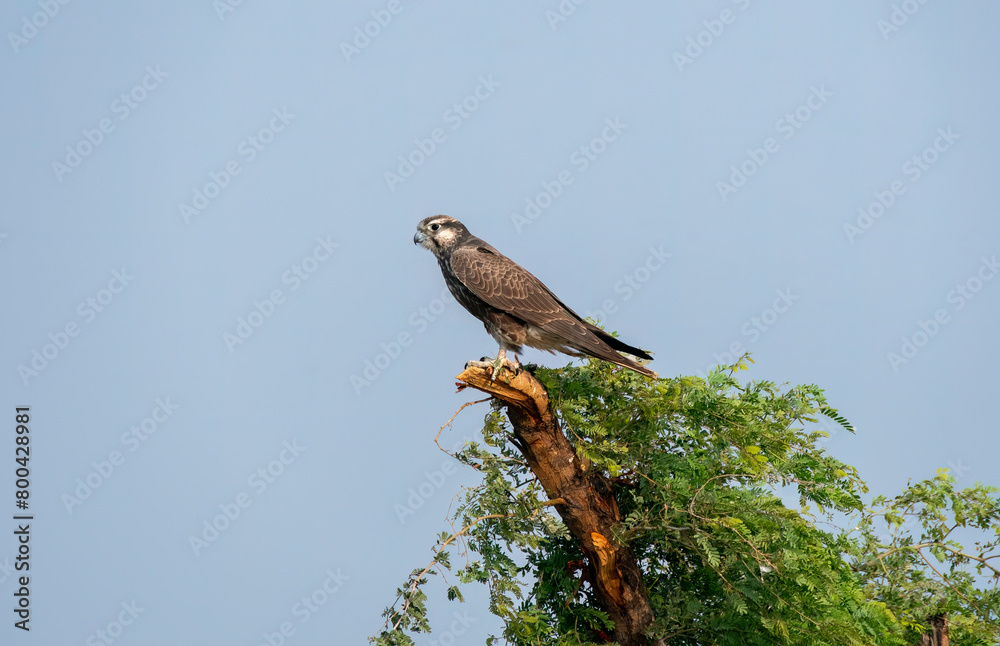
{"points": [[435, 227]]}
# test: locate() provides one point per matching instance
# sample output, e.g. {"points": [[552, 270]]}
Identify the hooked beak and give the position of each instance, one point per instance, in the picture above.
{"points": [[419, 237]]}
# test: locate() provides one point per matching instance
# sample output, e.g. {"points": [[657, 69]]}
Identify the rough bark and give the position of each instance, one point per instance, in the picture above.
{"points": [[937, 632], [584, 499]]}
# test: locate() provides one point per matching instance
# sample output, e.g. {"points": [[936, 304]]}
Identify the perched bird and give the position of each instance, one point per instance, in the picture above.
{"points": [[516, 308]]}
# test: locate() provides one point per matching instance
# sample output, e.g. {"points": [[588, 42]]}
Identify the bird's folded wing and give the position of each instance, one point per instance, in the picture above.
{"points": [[505, 285]]}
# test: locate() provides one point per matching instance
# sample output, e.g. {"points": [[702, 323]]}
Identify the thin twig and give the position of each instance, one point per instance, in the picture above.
{"points": [[917, 547], [945, 579], [448, 423], [416, 578]]}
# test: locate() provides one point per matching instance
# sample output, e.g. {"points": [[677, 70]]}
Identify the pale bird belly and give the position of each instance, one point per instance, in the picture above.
{"points": [[538, 338]]}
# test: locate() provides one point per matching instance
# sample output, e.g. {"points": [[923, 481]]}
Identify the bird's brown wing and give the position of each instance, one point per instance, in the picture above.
{"points": [[505, 285]]}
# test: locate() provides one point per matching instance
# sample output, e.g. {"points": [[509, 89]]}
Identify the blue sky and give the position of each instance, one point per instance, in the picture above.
{"points": [[215, 312]]}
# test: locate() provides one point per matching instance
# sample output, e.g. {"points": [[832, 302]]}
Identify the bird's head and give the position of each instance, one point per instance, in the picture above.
{"points": [[440, 234]]}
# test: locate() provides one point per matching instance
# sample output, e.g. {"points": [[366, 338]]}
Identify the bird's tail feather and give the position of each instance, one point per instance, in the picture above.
{"points": [[632, 365], [619, 345]]}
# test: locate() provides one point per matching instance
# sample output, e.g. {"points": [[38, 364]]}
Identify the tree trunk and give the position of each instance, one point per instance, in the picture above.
{"points": [[937, 633], [586, 502]]}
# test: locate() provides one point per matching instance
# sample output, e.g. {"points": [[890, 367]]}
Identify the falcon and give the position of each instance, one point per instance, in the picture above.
{"points": [[514, 306]]}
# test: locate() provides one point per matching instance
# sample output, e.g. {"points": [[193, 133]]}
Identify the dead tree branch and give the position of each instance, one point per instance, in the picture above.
{"points": [[583, 498]]}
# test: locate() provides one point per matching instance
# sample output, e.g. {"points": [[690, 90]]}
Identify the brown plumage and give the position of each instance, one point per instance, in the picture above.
{"points": [[516, 308]]}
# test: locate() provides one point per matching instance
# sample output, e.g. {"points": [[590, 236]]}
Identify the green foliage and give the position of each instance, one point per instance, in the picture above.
{"points": [[908, 552], [697, 466]]}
